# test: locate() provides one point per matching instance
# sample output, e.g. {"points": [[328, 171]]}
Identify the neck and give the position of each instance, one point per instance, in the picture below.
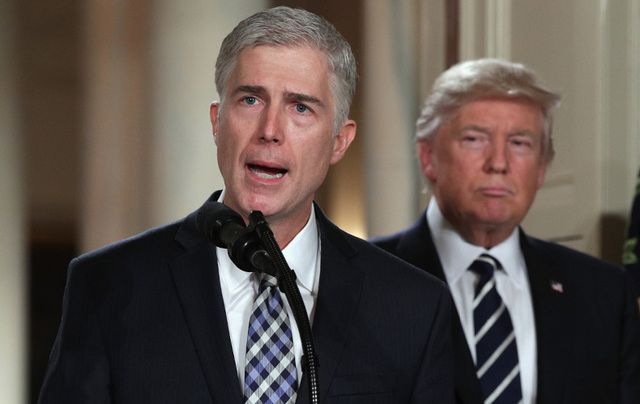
{"points": [[284, 226], [287, 228], [486, 237]]}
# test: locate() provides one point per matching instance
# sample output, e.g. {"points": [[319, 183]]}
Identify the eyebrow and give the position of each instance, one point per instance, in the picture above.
{"points": [[298, 97], [304, 98], [522, 132], [476, 128], [249, 89]]}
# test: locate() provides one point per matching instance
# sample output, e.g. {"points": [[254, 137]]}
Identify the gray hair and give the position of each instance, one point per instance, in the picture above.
{"points": [[284, 26], [485, 78]]}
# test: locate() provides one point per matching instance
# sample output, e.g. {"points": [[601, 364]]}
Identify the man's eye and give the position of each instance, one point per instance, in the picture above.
{"points": [[471, 139], [250, 100], [521, 143], [301, 108]]}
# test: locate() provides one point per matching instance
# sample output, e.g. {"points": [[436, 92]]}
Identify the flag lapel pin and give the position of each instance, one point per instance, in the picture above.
{"points": [[557, 287]]}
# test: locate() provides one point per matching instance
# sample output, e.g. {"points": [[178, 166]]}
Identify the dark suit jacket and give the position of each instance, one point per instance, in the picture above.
{"points": [[588, 335], [144, 322]]}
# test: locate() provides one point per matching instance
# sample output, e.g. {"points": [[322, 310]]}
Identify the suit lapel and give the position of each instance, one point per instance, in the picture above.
{"points": [[338, 297], [416, 247], [198, 288], [555, 330]]}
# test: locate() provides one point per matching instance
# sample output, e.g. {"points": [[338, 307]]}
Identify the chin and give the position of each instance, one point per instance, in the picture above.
{"points": [[268, 208], [494, 218]]}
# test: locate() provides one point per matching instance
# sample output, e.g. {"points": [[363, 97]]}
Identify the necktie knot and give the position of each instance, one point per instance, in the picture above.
{"points": [[485, 265], [267, 281], [268, 291]]}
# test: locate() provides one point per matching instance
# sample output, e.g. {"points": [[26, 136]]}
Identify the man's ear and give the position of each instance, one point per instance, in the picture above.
{"points": [[428, 164], [342, 140], [214, 109]]}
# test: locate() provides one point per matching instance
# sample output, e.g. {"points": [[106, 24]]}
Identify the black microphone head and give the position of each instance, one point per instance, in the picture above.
{"points": [[226, 229], [212, 217]]}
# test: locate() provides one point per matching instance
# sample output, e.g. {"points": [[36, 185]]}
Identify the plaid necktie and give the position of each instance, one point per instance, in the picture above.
{"points": [[496, 352], [270, 371]]}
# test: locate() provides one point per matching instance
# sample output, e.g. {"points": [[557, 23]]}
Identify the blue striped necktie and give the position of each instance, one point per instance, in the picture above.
{"points": [[270, 372], [496, 352]]}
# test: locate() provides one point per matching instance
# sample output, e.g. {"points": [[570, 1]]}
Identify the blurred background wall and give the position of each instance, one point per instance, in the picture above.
{"points": [[104, 127]]}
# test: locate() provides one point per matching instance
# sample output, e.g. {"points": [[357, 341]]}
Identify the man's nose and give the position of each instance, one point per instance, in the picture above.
{"points": [[271, 130], [498, 158]]}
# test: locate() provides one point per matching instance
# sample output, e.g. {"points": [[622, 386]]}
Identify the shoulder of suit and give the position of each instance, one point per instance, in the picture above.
{"points": [[384, 264], [156, 241], [577, 262], [416, 232], [388, 243], [373, 260]]}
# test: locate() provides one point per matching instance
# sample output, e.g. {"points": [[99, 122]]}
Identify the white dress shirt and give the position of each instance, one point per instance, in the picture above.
{"points": [[239, 289], [456, 255]]}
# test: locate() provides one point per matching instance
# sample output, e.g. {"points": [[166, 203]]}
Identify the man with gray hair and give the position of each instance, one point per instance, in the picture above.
{"points": [[537, 322], [167, 316]]}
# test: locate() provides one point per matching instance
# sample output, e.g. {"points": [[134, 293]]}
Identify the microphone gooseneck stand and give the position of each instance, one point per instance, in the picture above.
{"points": [[287, 284]]}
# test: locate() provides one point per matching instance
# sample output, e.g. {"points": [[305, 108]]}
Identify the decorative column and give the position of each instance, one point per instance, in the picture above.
{"points": [[403, 50], [13, 301]]}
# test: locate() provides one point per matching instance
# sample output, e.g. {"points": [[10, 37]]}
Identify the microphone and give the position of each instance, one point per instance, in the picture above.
{"points": [[226, 229], [254, 248]]}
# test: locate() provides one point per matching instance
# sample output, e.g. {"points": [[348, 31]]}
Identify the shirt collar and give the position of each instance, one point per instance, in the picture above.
{"points": [[301, 255], [456, 254]]}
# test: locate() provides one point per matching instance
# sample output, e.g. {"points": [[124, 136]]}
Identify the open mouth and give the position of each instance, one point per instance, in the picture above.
{"points": [[267, 173]]}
